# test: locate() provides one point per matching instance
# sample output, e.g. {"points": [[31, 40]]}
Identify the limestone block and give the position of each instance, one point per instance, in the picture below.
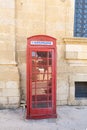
{"points": [[1, 91], [37, 27], [63, 102], [9, 86], [21, 56], [5, 34], [82, 55], [22, 68], [9, 73], [62, 80], [71, 48], [77, 77], [62, 97], [71, 55], [7, 31], [64, 22], [56, 2], [52, 13], [11, 92], [21, 41], [6, 13], [12, 85], [35, 11], [76, 51], [2, 84], [7, 4], [58, 102], [6, 57], [13, 100], [62, 87], [3, 101]]}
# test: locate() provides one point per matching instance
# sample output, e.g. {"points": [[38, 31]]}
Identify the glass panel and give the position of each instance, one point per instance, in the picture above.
{"points": [[49, 61], [50, 104], [41, 54], [41, 84], [49, 54], [42, 105], [40, 91], [50, 77], [33, 94], [33, 85], [41, 62], [49, 69], [42, 65], [41, 76], [42, 97], [34, 77], [48, 90], [34, 105], [33, 91], [41, 79], [33, 54], [50, 97], [33, 62], [33, 97]]}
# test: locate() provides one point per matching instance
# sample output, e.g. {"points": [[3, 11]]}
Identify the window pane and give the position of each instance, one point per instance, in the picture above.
{"points": [[80, 24]]}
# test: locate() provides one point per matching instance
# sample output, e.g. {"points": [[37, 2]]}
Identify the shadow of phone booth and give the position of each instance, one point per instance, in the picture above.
{"points": [[41, 77]]}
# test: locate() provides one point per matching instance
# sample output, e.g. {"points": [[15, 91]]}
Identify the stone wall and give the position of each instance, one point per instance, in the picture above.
{"points": [[49, 17], [9, 75], [9, 86]]}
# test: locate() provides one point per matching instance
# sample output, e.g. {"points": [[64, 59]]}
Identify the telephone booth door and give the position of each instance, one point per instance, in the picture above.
{"points": [[41, 99]]}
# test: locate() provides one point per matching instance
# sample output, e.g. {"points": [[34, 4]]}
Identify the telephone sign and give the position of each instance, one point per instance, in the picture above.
{"points": [[41, 43]]}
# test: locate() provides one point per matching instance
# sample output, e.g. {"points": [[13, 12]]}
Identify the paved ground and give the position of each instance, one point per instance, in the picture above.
{"points": [[69, 118]]}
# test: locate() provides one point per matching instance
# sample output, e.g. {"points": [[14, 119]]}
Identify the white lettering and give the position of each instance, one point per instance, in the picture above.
{"points": [[41, 43]]}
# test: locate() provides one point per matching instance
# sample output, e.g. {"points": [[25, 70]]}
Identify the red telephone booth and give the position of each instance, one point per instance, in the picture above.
{"points": [[41, 77]]}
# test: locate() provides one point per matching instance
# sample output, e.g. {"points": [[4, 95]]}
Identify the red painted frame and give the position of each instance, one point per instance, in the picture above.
{"points": [[40, 112]]}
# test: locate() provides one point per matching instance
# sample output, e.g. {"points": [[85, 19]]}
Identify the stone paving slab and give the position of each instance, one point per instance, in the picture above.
{"points": [[69, 118]]}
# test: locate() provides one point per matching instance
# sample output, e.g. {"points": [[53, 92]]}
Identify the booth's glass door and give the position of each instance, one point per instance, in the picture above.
{"points": [[41, 81]]}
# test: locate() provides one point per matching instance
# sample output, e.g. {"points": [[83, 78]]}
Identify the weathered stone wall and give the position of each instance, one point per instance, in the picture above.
{"points": [[50, 17], [9, 76], [9, 87]]}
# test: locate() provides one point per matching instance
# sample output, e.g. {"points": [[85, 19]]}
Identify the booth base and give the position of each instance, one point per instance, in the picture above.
{"points": [[41, 116]]}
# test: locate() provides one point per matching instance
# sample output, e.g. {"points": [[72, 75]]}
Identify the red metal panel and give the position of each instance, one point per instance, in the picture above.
{"points": [[41, 77]]}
